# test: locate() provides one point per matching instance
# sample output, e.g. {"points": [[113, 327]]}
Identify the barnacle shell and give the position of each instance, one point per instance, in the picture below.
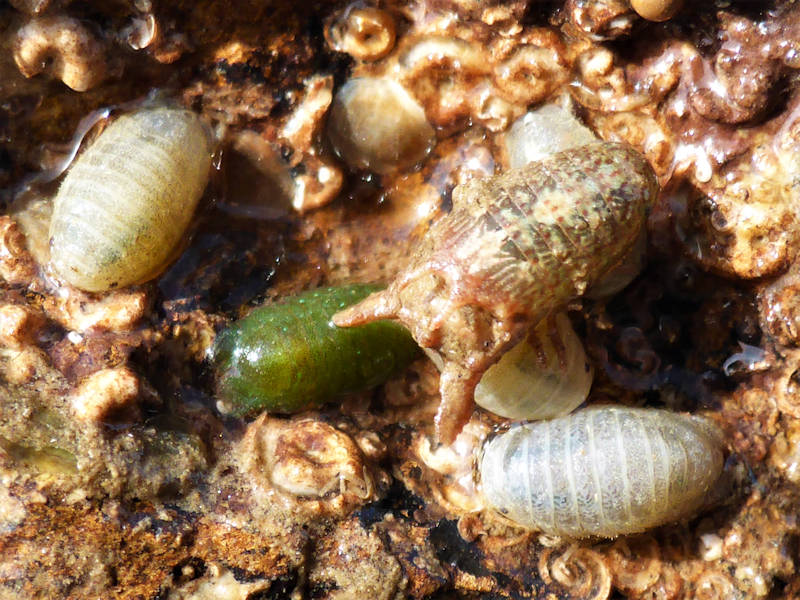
{"points": [[602, 471], [364, 32], [514, 248], [546, 375], [310, 461], [530, 74], [66, 47], [125, 204], [376, 125]]}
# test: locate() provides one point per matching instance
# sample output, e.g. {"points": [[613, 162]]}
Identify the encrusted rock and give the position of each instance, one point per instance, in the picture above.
{"points": [[80, 311], [19, 325], [105, 395], [16, 264]]}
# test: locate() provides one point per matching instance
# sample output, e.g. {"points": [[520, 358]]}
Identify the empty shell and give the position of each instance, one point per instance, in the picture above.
{"points": [[543, 132], [602, 471], [125, 204], [375, 124], [544, 376]]}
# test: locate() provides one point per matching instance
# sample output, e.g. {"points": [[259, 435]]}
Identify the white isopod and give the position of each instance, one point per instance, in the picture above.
{"points": [[125, 204], [602, 471]]}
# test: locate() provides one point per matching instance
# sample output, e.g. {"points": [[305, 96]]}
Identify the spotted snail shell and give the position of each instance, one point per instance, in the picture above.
{"points": [[514, 248], [125, 204], [602, 471]]}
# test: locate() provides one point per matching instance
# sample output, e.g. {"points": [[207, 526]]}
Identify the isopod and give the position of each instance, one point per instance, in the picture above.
{"points": [[515, 247], [601, 471], [126, 202], [289, 357]]}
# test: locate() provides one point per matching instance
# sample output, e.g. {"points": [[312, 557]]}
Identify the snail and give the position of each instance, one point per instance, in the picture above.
{"points": [[289, 357], [125, 204], [602, 471], [546, 375], [515, 247], [375, 124]]}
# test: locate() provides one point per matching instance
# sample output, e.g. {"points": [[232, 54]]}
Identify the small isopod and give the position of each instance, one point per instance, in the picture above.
{"points": [[601, 471], [289, 356], [514, 248], [125, 204]]}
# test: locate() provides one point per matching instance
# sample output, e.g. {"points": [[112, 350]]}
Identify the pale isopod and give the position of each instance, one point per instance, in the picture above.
{"points": [[514, 248], [125, 204], [602, 471]]}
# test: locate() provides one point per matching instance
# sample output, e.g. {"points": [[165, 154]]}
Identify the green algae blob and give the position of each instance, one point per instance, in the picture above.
{"points": [[289, 357]]}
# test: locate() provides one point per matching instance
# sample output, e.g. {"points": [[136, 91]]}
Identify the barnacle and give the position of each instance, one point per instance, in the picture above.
{"points": [[78, 57], [366, 33], [530, 74], [308, 460]]}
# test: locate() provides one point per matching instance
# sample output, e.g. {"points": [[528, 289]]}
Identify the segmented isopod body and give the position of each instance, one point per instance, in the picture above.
{"points": [[288, 357], [514, 248], [125, 204], [602, 471]]}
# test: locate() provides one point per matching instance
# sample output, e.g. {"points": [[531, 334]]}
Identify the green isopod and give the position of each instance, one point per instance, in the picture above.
{"points": [[289, 357]]}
